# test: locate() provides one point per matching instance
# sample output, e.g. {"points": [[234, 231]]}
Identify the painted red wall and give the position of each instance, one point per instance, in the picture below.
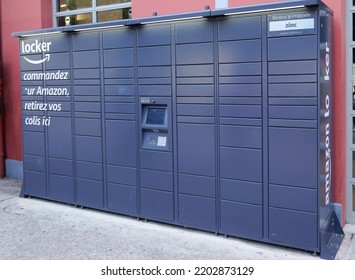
{"points": [[144, 8], [235, 3], [17, 16]]}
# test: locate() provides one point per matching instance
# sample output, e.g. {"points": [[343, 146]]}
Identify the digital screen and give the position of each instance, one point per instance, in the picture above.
{"points": [[156, 116]]}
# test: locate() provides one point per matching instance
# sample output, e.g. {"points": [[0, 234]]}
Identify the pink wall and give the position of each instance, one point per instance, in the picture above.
{"points": [[17, 16], [144, 8], [235, 3]]}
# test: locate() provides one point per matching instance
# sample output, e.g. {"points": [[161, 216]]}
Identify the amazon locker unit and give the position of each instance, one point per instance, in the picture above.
{"points": [[218, 120]]}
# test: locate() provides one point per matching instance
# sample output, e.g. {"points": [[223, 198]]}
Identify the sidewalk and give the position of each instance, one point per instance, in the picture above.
{"points": [[39, 229]]}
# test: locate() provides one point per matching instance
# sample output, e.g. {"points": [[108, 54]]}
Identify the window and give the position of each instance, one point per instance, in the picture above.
{"points": [[73, 12]]}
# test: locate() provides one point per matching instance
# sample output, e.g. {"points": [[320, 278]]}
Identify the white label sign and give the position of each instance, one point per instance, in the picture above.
{"points": [[297, 24], [161, 141]]}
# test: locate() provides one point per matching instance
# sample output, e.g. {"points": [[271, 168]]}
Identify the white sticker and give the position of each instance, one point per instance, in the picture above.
{"points": [[161, 141], [220, 4], [297, 24]]}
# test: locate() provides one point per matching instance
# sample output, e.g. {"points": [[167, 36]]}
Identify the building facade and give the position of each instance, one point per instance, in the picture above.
{"points": [[37, 14]]}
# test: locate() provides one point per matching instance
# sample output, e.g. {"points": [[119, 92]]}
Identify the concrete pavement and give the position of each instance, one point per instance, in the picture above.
{"points": [[42, 230]]}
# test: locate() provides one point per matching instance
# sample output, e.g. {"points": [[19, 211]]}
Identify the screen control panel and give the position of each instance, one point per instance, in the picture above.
{"points": [[155, 124]]}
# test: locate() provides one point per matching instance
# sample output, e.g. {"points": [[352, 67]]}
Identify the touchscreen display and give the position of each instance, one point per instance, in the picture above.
{"points": [[156, 116]]}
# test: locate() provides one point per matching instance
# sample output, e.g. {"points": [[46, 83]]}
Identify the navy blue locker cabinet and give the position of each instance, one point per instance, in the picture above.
{"points": [[220, 121]]}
